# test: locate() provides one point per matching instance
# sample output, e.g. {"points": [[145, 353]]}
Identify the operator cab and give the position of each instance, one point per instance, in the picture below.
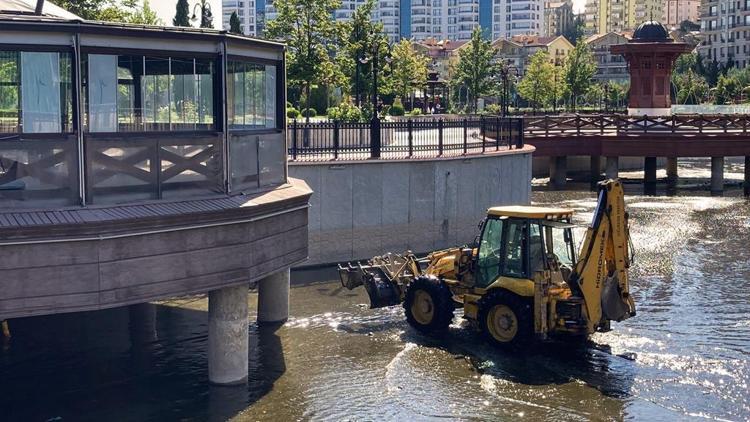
{"points": [[517, 241]]}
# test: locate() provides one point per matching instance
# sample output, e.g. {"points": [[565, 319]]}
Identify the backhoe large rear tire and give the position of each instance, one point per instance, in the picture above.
{"points": [[505, 318], [428, 305]]}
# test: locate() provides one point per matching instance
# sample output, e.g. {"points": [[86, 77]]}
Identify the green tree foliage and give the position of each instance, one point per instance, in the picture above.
{"points": [[311, 36], [575, 31], [145, 15], [234, 23], [182, 14], [580, 68], [87, 9], [537, 84], [476, 67], [125, 11], [688, 26], [691, 88], [360, 36], [409, 69]]}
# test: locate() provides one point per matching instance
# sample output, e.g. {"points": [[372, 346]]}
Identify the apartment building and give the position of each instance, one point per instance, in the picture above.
{"points": [[603, 16], [609, 67], [676, 11], [558, 18], [419, 20], [725, 25]]}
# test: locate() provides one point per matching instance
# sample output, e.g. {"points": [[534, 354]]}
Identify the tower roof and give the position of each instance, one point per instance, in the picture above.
{"points": [[651, 31]]}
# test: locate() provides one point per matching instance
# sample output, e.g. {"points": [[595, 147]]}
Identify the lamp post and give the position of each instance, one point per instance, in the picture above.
{"points": [[205, 11], [606, 97], [375, 120], [504, 69]]}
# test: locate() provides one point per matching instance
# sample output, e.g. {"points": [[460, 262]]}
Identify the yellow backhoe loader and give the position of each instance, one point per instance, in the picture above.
{"points": [[521, 279]]}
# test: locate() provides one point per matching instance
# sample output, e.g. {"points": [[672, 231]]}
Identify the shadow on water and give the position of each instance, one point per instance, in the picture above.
{"points": [[145, 362]]}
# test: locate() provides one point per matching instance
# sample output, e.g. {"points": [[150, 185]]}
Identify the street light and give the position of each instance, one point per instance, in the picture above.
{"points": [[205, 7], [375, 120]]}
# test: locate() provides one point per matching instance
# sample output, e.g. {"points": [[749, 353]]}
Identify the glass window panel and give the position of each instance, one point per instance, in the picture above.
{"points": [[156, 104], [272, 159], [513, 264], [243, 156], [129, 93], [102, 86], [490, 250], [270, 95], [204, 71], [40, 92], [252, 95], [9, 88], [183, 99]]}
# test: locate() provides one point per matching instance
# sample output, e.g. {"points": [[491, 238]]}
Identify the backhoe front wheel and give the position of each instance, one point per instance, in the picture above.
{"points": [[505, 318], [428, 305]]}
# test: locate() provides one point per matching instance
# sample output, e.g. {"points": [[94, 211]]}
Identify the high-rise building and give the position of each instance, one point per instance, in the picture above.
{"points": [[603, 16], [676, 11], [725, 25], [558, 17], [417, 19]]}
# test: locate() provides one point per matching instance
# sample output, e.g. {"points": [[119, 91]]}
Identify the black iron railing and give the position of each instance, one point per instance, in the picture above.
{"points": [[403, 139]]}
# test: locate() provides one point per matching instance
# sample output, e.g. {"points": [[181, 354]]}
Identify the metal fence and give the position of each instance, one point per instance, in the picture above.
{"points": [[403, 139]]}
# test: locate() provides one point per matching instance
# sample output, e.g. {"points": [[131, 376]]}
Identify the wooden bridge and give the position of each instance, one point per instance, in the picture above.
{"points": [[614, 136]]}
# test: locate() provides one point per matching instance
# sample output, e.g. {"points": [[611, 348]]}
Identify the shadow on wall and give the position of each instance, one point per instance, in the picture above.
{"points": [[145, 362]]}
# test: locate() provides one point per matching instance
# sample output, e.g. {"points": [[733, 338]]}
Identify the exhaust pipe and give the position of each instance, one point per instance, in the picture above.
{"points": [[39, 7]]}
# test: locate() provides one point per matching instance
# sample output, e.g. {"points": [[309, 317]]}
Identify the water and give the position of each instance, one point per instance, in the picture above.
{"points": [[686, 355]]}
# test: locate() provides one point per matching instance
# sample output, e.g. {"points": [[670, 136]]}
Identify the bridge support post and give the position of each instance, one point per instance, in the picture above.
{"points": [[612, 167], [717, 175], [228, 335], [558, 171], [649, 175], [671, 174], [273, 297], [595, 171], [746, 185]]}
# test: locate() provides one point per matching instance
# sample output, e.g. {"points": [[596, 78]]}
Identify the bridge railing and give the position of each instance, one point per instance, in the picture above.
{"points": [[403, 139], [616, 124]]}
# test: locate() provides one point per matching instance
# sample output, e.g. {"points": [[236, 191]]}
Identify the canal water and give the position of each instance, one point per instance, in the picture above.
{"points": [[686, 355]]}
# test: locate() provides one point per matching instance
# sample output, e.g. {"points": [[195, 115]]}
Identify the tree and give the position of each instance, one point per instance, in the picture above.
{"points": [[234, 23], [691, 88], [145, 16], [575, 32], [359, 35], [537, 84], [689, 26], [310, 34], [476, 67], [580, 68], [409, 69], [182, 14], [87, 9]]}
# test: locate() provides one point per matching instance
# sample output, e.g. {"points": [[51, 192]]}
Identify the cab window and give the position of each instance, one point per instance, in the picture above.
{"points": [[513, 262], [490, 249]]}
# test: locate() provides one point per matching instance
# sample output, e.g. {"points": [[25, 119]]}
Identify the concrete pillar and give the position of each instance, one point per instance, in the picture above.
{"points": [[273, 297], [595, 170], [672, 177], [717, 175], [558, 171], [142, 321], [612, 167], [649, 175], [227, 335]]}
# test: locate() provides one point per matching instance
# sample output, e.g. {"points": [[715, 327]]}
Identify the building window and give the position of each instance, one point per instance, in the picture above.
{"points": [[251, 95], [140, 93], [35, 92]]}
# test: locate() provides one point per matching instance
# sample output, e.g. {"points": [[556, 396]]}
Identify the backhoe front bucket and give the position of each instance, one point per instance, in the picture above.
{"points": [[381, 290]]}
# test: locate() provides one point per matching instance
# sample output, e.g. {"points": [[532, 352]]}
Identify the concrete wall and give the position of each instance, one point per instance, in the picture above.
{"points": [[582, 164], [365, 208]]}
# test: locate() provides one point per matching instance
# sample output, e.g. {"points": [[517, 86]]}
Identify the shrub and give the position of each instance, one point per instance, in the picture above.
{"points": [[493, 109], [309, 112], [289, 105], [397, 109], [292, 113], [415, 112], [345, 112]]}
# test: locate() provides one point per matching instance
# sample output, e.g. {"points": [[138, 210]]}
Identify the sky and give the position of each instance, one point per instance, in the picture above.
{"points": [[166, 9]]}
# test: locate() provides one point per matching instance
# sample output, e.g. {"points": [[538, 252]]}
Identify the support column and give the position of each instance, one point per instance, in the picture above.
{"points": [[612, 167], [671, 174], [228, 335], [595, 171], [558, 171], [717, 175], [746, 185], [649, 175], [273, 297]]}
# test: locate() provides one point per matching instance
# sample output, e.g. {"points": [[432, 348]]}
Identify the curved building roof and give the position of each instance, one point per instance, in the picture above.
{"points": [[651, 31]]}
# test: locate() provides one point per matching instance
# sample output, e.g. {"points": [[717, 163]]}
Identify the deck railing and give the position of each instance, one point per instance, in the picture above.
{"points": [[617, 124], [403, 139]]}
